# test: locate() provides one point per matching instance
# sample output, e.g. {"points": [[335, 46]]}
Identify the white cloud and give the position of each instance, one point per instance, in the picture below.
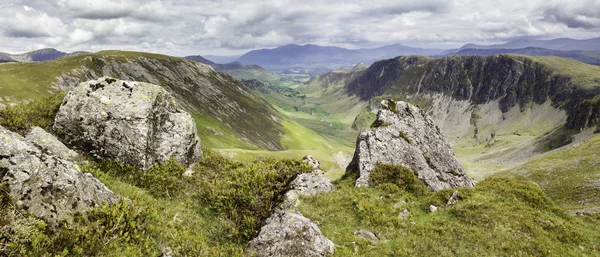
{"points": [[182, 27]]}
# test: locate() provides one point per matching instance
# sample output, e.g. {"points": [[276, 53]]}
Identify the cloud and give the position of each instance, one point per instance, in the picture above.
{"points": [[581, 14], [31, 25], [185, 27]]}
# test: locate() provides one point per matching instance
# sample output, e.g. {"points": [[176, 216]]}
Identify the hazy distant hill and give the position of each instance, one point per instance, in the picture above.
{"points": [[42, 55], [237, 69], [562, 44], [326, 56]]}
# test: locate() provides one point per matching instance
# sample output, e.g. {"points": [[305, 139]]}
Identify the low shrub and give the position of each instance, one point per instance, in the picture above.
{"points": [[41, 113], [245, 194], [400, 176], [162, 180]]}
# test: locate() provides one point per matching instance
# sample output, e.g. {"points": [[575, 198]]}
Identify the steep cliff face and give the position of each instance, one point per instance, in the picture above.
{"points": [[512, 81]]}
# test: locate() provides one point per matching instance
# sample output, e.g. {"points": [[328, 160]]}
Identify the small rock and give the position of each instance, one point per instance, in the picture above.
{"points": [[366, 235], [312, 183], [453, 199], [399, 204], [311, 161], [432, 209], [167, 252], [288, 234], [404, 214]]}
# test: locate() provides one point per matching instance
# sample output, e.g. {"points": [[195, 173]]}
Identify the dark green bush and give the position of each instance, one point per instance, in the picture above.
{"points": [[162, 180], [248, 193], [39, 113], [402, 177]]}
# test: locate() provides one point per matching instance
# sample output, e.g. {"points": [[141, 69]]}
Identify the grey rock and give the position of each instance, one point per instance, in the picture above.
{"points": [[311, 161], [286, 232], [167, 252], [432, 209], [289, 234], [406, 136], [130, 122], [366, 235], [453, 199], [49, 142], [46, 185], [404, 214], [312, 183], [399, 204]]}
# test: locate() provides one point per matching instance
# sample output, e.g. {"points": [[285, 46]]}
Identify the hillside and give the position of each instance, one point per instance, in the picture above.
{"points": [[227, 114], [562, 44], [582, 56], [238, 70], [41, 55], [498, 111]]}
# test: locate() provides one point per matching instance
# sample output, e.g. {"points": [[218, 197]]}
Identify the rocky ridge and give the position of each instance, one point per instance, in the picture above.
{"points": [[404, 135]]}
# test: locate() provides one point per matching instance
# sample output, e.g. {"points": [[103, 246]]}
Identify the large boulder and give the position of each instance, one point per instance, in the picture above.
{"points": [[290, 234], [46, 185], [48, 141], [130, 122], [404, 135]]}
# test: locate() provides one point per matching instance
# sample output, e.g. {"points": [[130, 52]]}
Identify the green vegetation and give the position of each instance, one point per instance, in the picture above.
{"points": [[246, 194], [214, 212], [570, 176], [404, 178], [499, 217], [39, 113]]}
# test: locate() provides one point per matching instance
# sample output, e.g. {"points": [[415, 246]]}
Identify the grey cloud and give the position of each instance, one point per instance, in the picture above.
{"points": [[572, 20], [184, 27]]}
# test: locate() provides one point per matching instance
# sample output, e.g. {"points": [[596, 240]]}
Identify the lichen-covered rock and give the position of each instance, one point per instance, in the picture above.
{"points": [[131, 122], [44, 184], [404, 135], [48, 141], [366, 234], [311, 161], [289, 234], [312, 183]]}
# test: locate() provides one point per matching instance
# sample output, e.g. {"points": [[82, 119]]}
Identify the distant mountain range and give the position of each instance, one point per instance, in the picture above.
{"points": [[42, 55], [326, 56]]}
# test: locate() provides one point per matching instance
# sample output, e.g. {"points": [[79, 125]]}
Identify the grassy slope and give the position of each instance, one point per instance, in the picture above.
{"points": [[26, 81], [497, 218], [570, 176]]}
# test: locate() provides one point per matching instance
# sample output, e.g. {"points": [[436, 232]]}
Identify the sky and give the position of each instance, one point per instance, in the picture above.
{"points": [[232, 27]]}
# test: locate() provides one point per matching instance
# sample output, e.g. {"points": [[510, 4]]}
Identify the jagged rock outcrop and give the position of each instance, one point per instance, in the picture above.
{"points": [[130, 122], [404, 135], [46, 185], [586, 114], [49, 142], [286, 232]]}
